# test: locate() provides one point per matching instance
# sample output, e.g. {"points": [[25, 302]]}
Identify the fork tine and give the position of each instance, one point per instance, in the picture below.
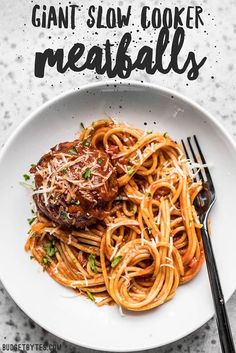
{"points": [[195, 158], [185, 149], [207, 172], [187, 155]]}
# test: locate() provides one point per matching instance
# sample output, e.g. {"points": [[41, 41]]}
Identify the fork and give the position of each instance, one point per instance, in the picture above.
{"points": [[203, 204]]}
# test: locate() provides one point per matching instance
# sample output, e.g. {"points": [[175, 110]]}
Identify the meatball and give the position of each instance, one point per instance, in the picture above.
{"points": [[75, 184]]}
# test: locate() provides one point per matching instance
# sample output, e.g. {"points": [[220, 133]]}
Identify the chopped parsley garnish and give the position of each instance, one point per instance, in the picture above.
{"points": [[33, 165], [92, 263], [46, 261], [50, 249], [82, 125], [64, 215], [23, 183], [87, 173], [190, 222], [150, 230], [149, 132], [115, 261], [86, 143], [31, 257], [64, 170], [26, 177], [75, 202], [73, 150], [148, 194], [99, 161], [129, 170], [119, 198], [90, 296], [31, 220], [165, 134], [134, 159]]}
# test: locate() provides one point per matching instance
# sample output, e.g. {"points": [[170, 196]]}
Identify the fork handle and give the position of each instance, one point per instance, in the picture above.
{"points": [[225, 334]]}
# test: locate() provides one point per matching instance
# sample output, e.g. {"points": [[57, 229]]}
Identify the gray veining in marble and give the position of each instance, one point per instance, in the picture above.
{"points": [[21, 93]]}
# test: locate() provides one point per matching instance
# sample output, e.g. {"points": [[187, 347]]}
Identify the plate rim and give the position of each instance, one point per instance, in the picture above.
{"points": [[115, 84]]}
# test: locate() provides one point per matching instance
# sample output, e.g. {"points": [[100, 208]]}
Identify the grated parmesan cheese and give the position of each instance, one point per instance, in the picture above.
{"points": [[167, 265]]}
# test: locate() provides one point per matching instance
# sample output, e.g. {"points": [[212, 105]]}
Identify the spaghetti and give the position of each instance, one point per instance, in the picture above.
{"points": [[149, 240]]}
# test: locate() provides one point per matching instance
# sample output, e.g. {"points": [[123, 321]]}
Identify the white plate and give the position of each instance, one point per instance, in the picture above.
{"points": [[54, 307]]}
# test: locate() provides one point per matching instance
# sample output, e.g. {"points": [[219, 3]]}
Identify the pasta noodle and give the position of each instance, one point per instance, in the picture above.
{"points": [[148, 244]]}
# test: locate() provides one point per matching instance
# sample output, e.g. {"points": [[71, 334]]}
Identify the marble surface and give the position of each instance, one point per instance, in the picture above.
{"points": [[21, 93]]}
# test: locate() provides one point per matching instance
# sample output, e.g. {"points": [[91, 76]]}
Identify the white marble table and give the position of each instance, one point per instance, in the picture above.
{"points": [[21, 93]]}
